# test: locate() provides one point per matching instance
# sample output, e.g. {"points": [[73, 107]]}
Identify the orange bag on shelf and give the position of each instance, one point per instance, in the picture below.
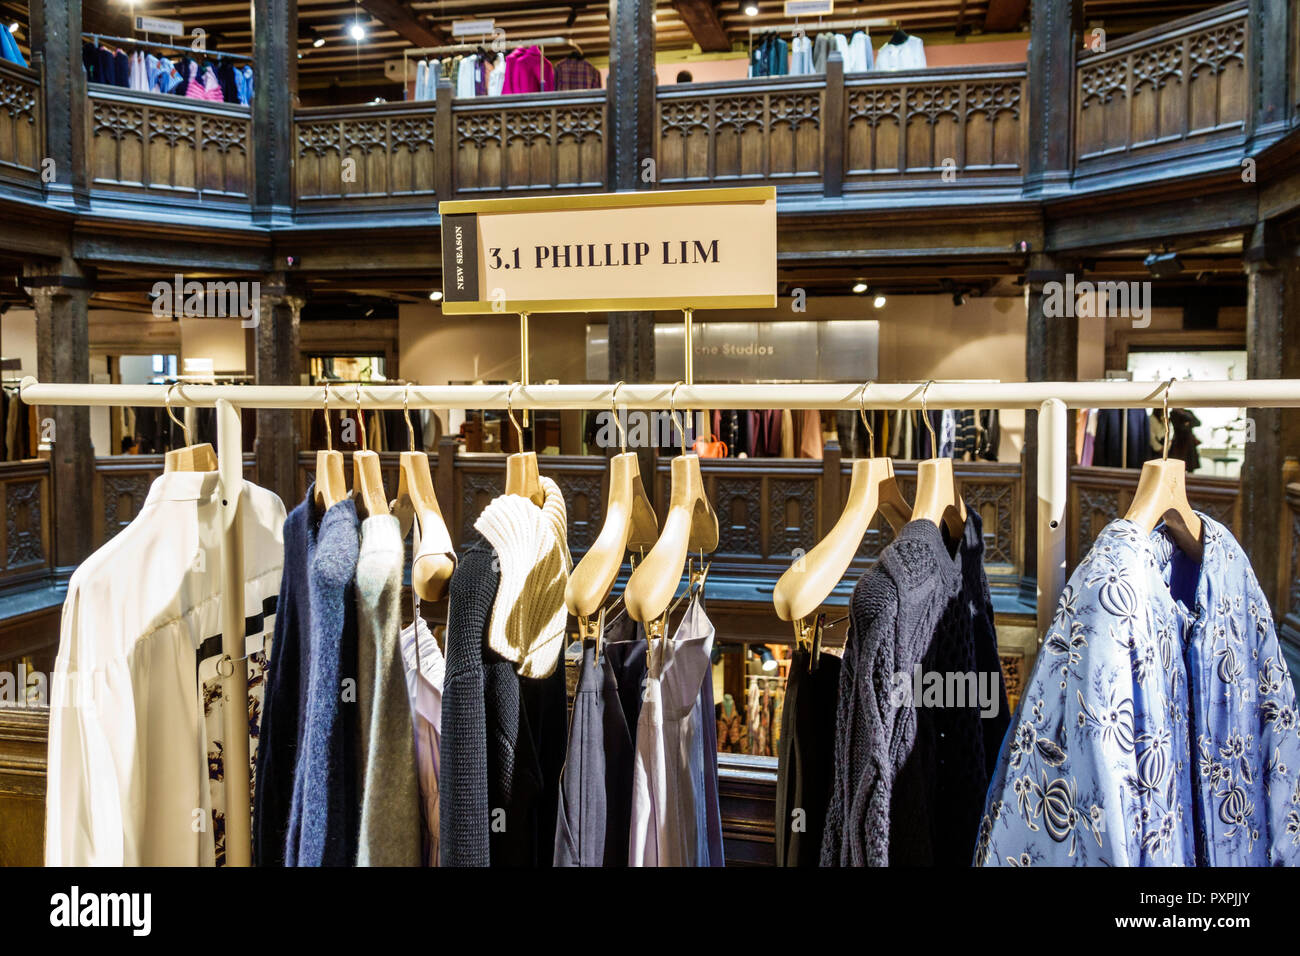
{"points": [[710, 447]]}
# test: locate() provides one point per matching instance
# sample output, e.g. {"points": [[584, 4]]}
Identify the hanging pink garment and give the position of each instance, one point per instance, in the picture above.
{"points": [[212, 86], [527, 71]]}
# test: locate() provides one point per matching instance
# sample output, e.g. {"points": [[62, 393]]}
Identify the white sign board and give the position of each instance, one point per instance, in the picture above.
{"points": [[472, 28], [172, 28], [658, 249]]}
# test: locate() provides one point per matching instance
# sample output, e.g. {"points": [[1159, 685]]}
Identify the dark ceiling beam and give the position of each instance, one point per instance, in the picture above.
{"points": [[400, 18], [701, 18], [1004, 16]]}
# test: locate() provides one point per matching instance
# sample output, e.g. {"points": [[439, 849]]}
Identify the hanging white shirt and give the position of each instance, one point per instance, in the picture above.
{"points": [[860, 59], [465, 77], [497, 78], [129, 782], [908, 55]]}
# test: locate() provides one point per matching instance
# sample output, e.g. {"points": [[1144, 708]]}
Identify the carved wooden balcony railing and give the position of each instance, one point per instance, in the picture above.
{"points": [[121, 486], [769, 510], [25, 553], [870, 131], [21, 126], [510, 145], [376, 155], [937, 127], [743, 132], [1168, 92], [169, 148], [1099, 495], [1290, 576], [412, 155]]}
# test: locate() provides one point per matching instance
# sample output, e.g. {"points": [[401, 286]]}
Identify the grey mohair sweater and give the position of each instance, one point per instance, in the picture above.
{"points": [[390, 794]]}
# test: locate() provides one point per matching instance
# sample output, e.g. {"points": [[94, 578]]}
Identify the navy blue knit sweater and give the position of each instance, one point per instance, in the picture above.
{"points": [[286, 689], [325, 812]]}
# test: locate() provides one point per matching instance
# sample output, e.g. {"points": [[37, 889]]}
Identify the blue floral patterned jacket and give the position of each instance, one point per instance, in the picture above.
{"points": [[1159, 726]]}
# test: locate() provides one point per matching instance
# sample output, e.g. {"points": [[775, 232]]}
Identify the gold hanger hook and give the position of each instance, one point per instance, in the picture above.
{"points": [[613, 410], [361, 418], [167, 400], [1164, 450], [862, 411], [934, 444], [329, 431], [406, 413], [510, 410], [672, 413]]}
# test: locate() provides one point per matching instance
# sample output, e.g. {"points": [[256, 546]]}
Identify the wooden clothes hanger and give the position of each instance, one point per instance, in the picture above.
{"points": [[630, 524], [1162, 496], [331, 486], [937, 498], [690, 525], [522, 477], [873, 489], [434, 558], [367, 476], [199, 457]]}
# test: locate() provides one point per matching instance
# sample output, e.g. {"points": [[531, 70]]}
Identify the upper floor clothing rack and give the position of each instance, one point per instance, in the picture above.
{"points": [[136, 41], [494, 46], [1051, 399]]}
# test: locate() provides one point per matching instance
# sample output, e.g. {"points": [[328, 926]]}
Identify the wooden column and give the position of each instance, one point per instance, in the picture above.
{"points": [[1053, 43], [631, 109], [1272, 334], [1051, 355], [630, 91], [444, 142], [1270, 38], [56, 50], [60, 294], [279, 362], [833, 129], [632, 359], [275, 65]]}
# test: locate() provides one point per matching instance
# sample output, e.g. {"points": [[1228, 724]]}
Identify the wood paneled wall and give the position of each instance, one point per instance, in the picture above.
{"points": [[519, 145], [25, 550], [1169, 91], [1100, 495], [169, 147], [754, 131], [373, 153], [21, 125]]}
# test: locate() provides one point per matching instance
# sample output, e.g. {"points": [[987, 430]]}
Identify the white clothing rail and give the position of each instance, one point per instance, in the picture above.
{"points": [[1185, 394], [1050, 398]]}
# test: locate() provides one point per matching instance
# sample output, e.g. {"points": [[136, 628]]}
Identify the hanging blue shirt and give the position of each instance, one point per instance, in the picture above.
{"points": [[1159, 727]]}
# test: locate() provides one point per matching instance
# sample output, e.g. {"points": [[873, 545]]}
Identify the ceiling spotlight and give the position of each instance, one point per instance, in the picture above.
{"points": [[13, 28], [859, 288], [318, 42], [1162, 265], [357, 32], [751, 9], [435, 295], [879, 302]]}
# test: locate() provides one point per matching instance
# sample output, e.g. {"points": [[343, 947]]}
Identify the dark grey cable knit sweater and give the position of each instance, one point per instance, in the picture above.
{"points": [[464, 813], [910, 780]]}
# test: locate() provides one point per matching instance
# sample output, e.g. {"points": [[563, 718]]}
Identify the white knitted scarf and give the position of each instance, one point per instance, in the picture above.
{"points": [[532, 548]]}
